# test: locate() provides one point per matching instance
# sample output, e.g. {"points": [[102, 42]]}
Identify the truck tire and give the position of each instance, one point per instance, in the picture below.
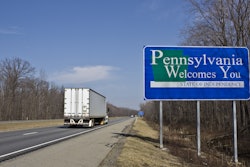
{"points": [[92, 122]]}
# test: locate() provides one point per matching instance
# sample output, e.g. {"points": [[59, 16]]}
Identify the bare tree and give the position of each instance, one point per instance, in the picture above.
{"points": [[221, 23], [22, 96], [13, 73]]}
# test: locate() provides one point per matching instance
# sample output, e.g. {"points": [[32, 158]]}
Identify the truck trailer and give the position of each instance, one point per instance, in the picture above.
{"points": [[84, 107]]}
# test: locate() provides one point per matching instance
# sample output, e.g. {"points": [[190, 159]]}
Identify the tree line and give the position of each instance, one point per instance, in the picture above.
{"points": [[114, 111], [24, 96], [216, 116], [215, 23]]}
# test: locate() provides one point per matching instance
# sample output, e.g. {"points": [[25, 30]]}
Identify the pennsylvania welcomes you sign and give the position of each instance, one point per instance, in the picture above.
{"points": [[196, 73]]}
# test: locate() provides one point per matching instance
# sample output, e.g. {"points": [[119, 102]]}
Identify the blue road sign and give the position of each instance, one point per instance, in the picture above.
{"points": [[196, 73]]}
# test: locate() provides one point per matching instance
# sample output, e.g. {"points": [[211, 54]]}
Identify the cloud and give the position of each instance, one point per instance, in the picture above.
{"points": [[80, 75], [10, 31]]}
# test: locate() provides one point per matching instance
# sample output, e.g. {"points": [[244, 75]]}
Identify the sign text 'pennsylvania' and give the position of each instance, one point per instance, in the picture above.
{"points": [[196, 73]]}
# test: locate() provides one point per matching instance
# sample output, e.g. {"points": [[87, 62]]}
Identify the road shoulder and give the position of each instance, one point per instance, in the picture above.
{"points": [[111, 159]]}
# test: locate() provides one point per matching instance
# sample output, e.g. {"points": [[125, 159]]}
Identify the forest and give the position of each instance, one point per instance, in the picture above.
{"points": [[26, 97]]}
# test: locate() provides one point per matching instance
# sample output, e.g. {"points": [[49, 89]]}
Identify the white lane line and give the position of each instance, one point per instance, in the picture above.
{"points": [[30, 133]]}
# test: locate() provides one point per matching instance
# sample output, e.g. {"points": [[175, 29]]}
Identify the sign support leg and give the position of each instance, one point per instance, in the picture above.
{"points": [[235, 132], [161, 136], [198, 130]]}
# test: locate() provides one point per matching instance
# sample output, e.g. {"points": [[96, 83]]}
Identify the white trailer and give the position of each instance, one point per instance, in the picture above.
{"points": [[84, 107]]}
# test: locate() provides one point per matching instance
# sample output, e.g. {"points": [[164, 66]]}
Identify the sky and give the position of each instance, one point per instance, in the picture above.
{"points": [[95, 44]]}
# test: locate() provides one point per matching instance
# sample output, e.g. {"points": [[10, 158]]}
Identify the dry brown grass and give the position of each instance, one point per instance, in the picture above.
{"points": [[142, 149], [19, 125]]}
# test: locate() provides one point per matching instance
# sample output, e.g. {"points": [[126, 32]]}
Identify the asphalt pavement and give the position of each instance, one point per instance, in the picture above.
{"points": [[86, 150]]}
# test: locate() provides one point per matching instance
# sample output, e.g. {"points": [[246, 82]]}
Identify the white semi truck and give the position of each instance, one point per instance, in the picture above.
{"points": [[84, 107]]}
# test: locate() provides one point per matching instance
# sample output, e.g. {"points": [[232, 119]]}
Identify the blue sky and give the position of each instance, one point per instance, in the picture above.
{"points": [[91, 43]]}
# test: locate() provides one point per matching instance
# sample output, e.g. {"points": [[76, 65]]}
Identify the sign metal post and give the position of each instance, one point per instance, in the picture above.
{"points": [[235, 132], [161, 126], [198, 130]]}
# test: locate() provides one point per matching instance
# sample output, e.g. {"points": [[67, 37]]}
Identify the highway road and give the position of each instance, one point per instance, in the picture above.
{"points": [[20, 142]]}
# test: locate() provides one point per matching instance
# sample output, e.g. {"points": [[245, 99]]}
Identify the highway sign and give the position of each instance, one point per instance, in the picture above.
{"points": [[196, 73]]}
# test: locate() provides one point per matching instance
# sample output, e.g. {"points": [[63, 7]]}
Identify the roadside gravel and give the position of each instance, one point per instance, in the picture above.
{"points": [[111, 159]]}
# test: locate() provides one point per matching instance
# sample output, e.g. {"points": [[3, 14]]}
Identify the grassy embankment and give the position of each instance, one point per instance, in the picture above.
{"points": [[142, 149]]}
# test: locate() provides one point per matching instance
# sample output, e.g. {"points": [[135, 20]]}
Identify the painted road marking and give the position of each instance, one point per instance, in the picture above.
{"points": [[30, 133]]}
